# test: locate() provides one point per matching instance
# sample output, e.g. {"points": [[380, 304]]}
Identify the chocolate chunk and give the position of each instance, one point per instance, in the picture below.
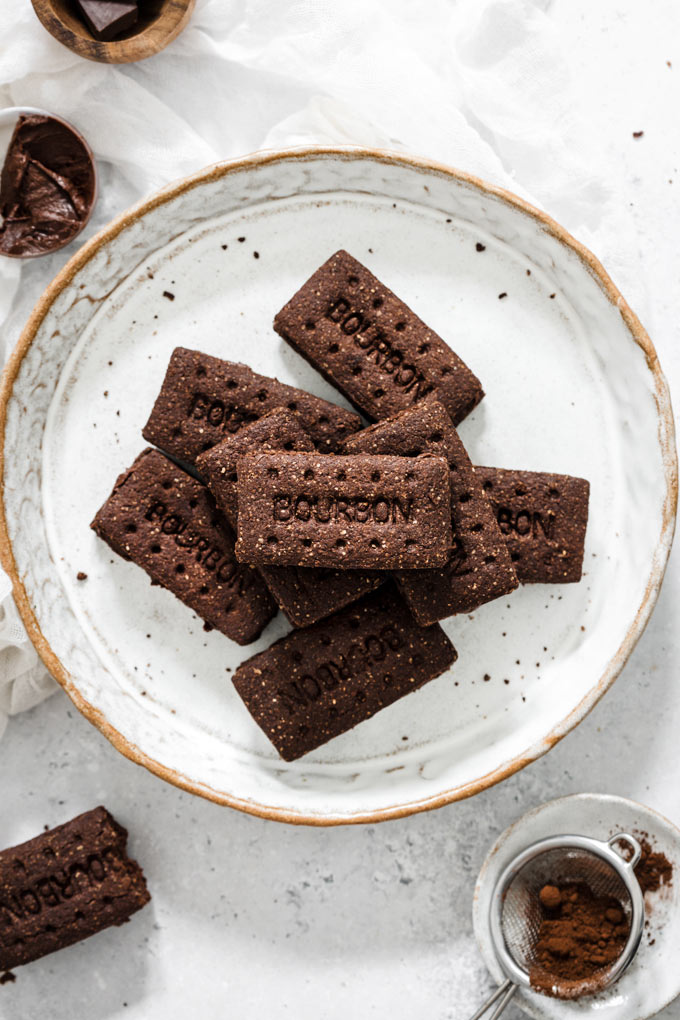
{"points": [[370, 345], [543, 519], [107, 19], [319, 682], [166, 522], [479, 568], [304, 509], [65, 885], [204, 399], [304, 594], [47, 187]]}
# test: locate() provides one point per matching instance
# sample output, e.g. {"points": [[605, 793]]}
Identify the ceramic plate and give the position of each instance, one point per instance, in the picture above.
{"points": [[572, 384], [653, 978]]}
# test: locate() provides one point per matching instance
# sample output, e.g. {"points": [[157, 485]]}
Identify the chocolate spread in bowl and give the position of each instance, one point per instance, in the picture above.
{"points": [[47, 187]]}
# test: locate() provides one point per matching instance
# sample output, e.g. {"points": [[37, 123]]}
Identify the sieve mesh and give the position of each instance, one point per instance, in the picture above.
{"points": [[521, 912]]}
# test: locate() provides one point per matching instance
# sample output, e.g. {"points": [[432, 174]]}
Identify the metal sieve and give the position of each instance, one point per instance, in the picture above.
{"points": [[515, 914]]}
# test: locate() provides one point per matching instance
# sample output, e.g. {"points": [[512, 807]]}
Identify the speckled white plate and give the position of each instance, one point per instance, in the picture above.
{"points": [[653, 978], [572, 385]]}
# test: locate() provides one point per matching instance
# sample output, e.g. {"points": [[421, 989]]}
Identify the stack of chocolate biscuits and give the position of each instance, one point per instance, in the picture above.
{"points": [[266, 496]]}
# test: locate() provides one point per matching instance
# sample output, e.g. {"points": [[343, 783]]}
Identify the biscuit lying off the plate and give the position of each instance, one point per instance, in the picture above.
{"points": [[65, 885]]}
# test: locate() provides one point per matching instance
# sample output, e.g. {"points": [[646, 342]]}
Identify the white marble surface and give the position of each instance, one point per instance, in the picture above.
{"points": [[254, 919]]}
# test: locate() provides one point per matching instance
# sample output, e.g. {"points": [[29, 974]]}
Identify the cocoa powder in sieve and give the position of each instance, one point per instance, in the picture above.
{"points": [[580, 937]]}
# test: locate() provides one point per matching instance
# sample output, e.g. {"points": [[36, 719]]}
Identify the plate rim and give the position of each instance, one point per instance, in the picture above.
{"points": [[665, 433]]}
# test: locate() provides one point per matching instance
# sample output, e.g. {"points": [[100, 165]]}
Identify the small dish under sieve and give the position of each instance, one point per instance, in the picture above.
{"points": [[515, 913]]}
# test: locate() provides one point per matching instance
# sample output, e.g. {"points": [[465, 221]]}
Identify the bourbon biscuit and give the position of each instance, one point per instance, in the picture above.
{"points": [[543, 519], [479, 568], [305, 594], [319, 682], [300, 509], [65, 885], [203, 399], [371, 346], [166, 522]]}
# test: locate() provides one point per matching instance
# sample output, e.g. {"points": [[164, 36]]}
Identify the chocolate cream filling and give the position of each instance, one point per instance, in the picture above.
{"points": [[47, 187]]}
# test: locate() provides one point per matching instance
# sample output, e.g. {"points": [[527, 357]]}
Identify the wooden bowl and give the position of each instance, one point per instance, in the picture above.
{"points": [[160, 21]]}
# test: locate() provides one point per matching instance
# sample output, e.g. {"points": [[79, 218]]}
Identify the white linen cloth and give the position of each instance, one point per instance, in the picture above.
{"points": [[483, 85]]}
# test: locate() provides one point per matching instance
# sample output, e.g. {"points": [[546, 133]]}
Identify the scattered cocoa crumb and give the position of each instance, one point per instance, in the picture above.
{"points": [[480, 247], [81, 575], [501, 296], [241, 240], [7, 978], [169, 295], [207, 627], [638, 134], [224, 247], [487, 677], [256, 254]]}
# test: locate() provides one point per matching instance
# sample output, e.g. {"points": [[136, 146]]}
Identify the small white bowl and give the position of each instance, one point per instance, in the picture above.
{"points": [[653, 979], [8, 121]]}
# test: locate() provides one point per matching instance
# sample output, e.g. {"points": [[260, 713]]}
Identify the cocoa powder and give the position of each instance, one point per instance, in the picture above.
{"points": [[653, 869], [581, 935]]}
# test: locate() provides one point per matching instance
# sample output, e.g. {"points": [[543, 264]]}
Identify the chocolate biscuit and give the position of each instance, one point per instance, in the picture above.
{"points": [[371, 346], [65, 885], [543, 519], [305, 509], [305, 594], [479, 568], [204, 399], [319, 682], [278, 430], [166, 522]]}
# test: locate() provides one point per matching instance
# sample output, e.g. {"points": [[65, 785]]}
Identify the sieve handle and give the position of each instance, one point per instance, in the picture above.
{"points": [[633, 845], [504, 993]]}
